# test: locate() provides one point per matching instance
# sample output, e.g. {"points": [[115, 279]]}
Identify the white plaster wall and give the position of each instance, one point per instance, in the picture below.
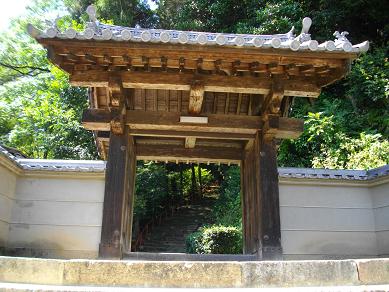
{"points": [[380, 199], [60, 216], [7, 193], [326, 221]]}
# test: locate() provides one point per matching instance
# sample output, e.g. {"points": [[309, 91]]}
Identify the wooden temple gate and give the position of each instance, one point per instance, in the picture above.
{"points": [[194, 97]]}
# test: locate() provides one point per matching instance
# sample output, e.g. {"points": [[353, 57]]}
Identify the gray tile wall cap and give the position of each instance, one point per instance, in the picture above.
{"points": [[102, 32], [284, 172]]}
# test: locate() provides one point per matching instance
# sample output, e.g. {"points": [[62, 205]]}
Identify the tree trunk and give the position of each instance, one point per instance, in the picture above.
{"points": [[193, 186], [200, 182]]}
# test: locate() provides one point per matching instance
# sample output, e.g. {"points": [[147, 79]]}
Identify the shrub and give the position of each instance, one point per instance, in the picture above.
{"points": [[216, 239]]}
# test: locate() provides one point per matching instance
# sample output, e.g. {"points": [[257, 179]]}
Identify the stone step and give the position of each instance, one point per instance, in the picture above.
{"points": [[195, 274], [174, 256], [170, 235], [164, 248], [16, 287]]}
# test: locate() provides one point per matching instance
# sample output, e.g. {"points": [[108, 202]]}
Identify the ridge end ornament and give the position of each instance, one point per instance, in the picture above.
{"points": [[305, 36], [91, 11], [342, 41]]}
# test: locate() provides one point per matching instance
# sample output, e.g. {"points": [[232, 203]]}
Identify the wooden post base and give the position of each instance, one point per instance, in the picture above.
{"points": [[270, 253], [107, 250]]}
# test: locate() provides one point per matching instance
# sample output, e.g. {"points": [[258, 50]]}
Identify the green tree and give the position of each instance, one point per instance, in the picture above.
{"points": [[41, 112], [125, 13]]}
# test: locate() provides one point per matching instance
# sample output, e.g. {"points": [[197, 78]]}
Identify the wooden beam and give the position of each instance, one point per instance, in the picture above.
{"points": [[171, 81], [104, 136], [196, 97], [99, 119], [190, 142], [184, 134], [282, 127], [203, 154], [162, 124]]}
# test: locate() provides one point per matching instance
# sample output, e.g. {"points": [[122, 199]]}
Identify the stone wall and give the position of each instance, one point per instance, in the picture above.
{"points": [[327, 221], [55, 210], [380, 204], [56, 216], [7, 194]]}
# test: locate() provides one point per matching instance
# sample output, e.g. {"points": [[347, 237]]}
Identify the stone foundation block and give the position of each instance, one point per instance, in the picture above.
{"points": [[373, 271]]}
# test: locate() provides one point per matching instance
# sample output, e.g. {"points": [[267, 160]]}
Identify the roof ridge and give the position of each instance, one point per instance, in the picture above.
{"points": [[103, 32]]}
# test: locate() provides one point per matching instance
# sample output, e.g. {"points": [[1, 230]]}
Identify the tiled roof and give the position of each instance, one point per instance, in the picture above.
{"points": [[284, 172], [103, 32]]}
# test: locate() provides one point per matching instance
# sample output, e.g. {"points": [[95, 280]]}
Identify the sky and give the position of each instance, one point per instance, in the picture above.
{"points": [[10, 10], [17, 8]]}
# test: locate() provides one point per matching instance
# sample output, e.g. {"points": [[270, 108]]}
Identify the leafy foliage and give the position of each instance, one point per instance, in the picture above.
{"points": [[215, 239], [40, 111], [227, 210], [126, 13], [152, 190]]}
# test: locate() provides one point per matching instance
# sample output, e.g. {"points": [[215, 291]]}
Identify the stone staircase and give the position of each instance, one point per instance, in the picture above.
{"points": [[170, 235]]}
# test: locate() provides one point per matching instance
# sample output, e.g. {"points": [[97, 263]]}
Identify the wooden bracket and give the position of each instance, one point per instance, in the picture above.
{"points": [[164, 64], [181, 64], [128, 61], [196, 97], [272, 102], [118, 100], [199, 65], [190, 142], [235, 66], [118, 121], [115, 91]]}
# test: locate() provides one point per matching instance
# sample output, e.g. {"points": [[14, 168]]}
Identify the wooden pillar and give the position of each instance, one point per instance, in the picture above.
{"points": [[260, 200], [129, 196], [270, 241], [249, 192], [118, 196]]}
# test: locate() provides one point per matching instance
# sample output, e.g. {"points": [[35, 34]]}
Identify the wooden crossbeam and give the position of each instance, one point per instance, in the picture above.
{"points": [[283, 128], [216, 83], [203, 154], [99, 119], [185, 134], [163, 124]]}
